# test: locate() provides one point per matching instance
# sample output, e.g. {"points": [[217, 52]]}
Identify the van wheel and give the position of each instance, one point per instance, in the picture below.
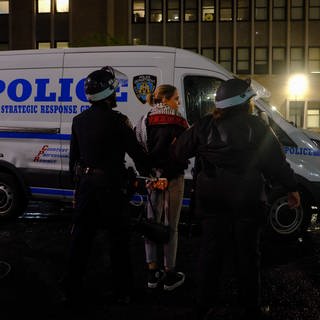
{"points": [[12, 200], [285, 222]]}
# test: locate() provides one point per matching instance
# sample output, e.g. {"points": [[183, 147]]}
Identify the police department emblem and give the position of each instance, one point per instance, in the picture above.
{"points": [[143, 85]]}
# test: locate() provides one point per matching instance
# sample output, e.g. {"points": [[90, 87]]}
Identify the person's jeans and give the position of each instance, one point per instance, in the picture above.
{"points": [[166, 204]]}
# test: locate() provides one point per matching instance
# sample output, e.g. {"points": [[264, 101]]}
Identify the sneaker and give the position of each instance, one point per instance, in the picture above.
{"points": [[173, 280], [155, 277]]}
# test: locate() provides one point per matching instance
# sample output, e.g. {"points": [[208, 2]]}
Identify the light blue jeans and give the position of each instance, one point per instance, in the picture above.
{"points": [[167, 205]]}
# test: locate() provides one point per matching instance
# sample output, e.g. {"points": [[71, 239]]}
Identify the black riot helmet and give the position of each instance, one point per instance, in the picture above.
{"points": [[100, 84], [233, 92]]}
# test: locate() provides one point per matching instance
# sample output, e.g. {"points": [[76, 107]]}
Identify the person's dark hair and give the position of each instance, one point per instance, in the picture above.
{"points": [[162, 91]]}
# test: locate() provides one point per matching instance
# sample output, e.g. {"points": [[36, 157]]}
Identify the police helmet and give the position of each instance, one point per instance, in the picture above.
{"points": [[233, 92], [100, 84]]}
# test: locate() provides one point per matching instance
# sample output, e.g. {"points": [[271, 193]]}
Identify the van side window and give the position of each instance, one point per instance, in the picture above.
{"points": [[282, 136], [199, 94]]}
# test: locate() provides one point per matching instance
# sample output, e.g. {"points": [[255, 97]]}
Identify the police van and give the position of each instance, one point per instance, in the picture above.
{"points": [[42, 90]]}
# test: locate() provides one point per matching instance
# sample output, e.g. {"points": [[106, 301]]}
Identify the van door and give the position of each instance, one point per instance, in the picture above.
{"points": [[30, 118]]}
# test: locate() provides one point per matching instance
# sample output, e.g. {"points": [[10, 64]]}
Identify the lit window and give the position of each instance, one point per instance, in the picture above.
{"points": [[44, 6], [62, 5], [296, 113], [278, 60], [62, 45], [208, 53], [173, 11], [313, 114], [139, 11], [44, 45], [297, 9], [314, 9], [225, 10], [297, 59], [156, 11], [314, 59], [4, 46], [243, 12], [243, 60], [208, 10], [191, 10], [4, 6], [279, 10], [261, 10], [261, 61], [225, 58]]}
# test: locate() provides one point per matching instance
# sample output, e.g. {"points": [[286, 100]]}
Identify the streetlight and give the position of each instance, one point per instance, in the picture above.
{"points": [[297, 85]]}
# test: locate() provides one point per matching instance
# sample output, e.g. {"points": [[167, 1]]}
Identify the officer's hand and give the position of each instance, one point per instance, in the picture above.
{"points": [[294, 200]]}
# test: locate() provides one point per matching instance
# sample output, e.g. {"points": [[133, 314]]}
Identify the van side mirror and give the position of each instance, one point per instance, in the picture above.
{"points": [[263, 115]]}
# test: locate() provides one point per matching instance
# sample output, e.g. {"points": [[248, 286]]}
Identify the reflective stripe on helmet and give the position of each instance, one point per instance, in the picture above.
{"points": [[105, 93], [234, 101]]}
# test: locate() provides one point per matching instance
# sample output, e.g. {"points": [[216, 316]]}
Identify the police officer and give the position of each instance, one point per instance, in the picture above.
{"points": [[236, 152], [100, 138]]}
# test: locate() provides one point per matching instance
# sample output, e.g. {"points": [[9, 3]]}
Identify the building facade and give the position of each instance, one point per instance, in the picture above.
{"points": [[275, 42]]}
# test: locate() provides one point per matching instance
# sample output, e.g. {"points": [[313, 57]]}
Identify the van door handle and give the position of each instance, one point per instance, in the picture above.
{"points": [[30, 130]]}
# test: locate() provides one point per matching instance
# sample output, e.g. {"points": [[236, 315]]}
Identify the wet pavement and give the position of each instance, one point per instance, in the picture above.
{"points": [[35, 245]]}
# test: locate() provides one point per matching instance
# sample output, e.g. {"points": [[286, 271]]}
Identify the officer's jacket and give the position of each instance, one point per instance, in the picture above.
{"points": [[235, 153], [100, 138]]}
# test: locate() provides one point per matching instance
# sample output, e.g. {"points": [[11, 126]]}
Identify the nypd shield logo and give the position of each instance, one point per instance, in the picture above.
{"points": [[143, 85]]}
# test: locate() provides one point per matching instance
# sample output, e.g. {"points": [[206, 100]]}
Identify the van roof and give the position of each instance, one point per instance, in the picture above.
{"points": [[182, 54]]}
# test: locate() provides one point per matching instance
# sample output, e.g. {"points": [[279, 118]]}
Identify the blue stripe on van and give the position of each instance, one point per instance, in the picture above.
{"points": [[26, 135], [70, 193], [50, 191]]}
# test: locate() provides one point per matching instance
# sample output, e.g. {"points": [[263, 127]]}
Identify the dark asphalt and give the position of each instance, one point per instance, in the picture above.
{"points": [[36, 244]]}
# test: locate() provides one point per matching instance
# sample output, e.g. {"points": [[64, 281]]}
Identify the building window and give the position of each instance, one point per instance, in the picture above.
{"points": [[225, 10], [156, 11], [44, 6], [173, 10], [4, 6], [314, 60], [208, 10], [208, 53], [313, 114], [314, 9], [279, 10], [4, 46], [261, 10], [296, 113], [62, 44], [278, 60], [261, 61], [139, 11], [191, 10], [297, 9], [225, 58], [62, 6], [243, 60], [43, 45], [243, 10], [297, 59]]}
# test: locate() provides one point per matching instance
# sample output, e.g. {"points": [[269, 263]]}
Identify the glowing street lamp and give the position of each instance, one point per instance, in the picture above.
{"points": [[297, 85]]}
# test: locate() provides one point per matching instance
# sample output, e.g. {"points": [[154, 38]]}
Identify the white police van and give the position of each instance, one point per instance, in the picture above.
{"points": [[42, 90]]}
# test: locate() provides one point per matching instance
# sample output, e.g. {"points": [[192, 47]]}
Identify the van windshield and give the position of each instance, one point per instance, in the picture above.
{"points": [[199, 93]]}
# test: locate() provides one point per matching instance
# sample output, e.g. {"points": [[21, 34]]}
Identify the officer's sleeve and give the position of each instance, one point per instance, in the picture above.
{"points": [[274, 163], [74, 151], [186, 145], [133, 148]]}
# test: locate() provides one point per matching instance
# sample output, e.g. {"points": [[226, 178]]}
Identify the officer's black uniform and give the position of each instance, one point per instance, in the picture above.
{"points": [[100, 139], [235, 153]]}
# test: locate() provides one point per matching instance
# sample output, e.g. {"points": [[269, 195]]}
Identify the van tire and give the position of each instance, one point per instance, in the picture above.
{"points": [[12, 199], [285, 223]]}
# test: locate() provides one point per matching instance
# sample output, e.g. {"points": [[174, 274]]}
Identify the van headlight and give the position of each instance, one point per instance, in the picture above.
{"points": [[316, 142]]}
